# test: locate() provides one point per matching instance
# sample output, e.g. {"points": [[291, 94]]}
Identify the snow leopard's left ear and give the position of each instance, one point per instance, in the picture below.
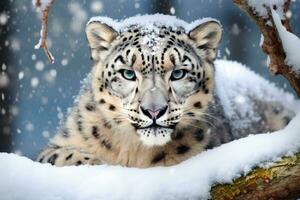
{"points": [[207, 36], [100, 36]]}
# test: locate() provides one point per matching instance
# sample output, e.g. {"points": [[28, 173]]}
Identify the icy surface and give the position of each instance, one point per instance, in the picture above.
{"points": [[149, 21], [290, 43], [236, 85], [191, 179], [261, 6]]}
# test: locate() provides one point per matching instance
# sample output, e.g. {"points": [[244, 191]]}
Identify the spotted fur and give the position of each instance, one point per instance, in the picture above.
{"points": [[146, 116]]}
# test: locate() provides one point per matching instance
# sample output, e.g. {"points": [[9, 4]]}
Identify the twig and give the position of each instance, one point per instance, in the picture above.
{"points": [[272, 45], [44, 30]]}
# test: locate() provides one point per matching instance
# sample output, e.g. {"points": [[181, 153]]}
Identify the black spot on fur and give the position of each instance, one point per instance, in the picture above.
{"points": [[182, 149], [186, 58], [41, 159], [159, 157], [120, 58], [52, 159], [198, 104], [112, 107], [90, 107], [106, 124], [69, 157], [191, 114], [127, 52], [78, 163], [79, 123], [95, 132], [199, 136], [102, 101], [106, 144]]}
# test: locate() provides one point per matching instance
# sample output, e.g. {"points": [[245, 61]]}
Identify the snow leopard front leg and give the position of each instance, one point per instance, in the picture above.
{"points": [[66, 156]]}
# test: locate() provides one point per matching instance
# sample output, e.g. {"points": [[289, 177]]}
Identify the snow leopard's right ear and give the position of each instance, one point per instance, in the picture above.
{"points": [[100, 36], [207, 37]]}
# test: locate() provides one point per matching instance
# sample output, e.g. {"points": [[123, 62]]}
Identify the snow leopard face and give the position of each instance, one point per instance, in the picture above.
{"points": [[153, 80]]}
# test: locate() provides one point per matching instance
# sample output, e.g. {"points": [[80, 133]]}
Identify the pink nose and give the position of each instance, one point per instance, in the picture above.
{"points": [[154, 114]]}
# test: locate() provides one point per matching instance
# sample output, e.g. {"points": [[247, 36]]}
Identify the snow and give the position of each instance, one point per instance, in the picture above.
{"points": [[4, 80], [236, 95], [96, 6], [192, 179], [39, 66], [21, 75], [3, 18], [150, 21], [34, 82], [79, 17], [261, 6], [43, 4], [290, 43], [172, 10]]}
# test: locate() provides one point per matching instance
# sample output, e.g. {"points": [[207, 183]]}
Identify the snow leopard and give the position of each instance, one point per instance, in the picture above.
{"points": [[151, 97]]}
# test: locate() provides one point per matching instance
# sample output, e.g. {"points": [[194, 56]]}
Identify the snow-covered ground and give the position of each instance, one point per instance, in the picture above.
{"points": [[24, 179]]}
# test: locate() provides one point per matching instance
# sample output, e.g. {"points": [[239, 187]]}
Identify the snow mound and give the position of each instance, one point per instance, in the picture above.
{"points": [[236, 85], [24, 179], [150, 21]]}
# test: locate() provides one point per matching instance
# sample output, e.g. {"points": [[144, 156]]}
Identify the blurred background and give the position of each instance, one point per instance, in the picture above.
{"points": [[35, 95]]}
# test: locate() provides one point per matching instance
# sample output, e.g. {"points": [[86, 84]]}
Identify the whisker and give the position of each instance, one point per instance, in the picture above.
{"points": [[200, 120]]}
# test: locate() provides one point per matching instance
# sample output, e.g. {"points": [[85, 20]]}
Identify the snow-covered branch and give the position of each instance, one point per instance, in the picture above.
{"points": [[276, 42], [43, 7], [280, 181]]}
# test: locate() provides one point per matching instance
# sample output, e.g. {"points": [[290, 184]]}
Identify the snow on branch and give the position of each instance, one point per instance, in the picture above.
{"points": [[44, 6], [191, 179], [282, 59], [290, 43]]}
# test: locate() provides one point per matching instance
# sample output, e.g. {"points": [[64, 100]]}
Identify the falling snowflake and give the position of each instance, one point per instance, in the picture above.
{"points": [[96, 6], [3, 18], [172, 10], [34, 82]]}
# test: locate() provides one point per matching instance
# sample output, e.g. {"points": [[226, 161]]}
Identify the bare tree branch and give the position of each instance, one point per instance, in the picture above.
{"points": [[272, 45], [44, 30]]}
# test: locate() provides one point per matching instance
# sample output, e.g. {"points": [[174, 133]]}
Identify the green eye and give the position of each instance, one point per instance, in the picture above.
{"points": [[128, 74], [178, 74]]}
